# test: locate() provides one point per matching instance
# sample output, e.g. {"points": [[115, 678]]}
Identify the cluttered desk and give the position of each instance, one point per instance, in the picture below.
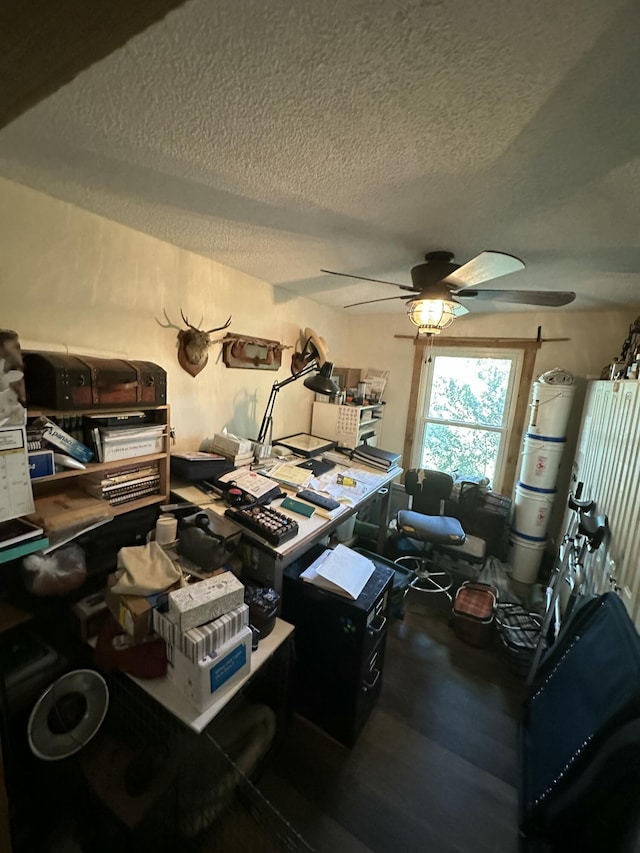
{"points": [[306, 503]]}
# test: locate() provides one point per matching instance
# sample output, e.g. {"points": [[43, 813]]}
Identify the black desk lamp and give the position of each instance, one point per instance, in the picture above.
{"points": [[320, 382]]}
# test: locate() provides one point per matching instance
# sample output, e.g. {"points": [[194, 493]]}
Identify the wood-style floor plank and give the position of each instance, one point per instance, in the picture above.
{"points": [[435, 768]]}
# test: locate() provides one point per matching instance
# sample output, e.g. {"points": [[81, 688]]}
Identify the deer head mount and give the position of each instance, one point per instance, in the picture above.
{"points": [[193, 343]]}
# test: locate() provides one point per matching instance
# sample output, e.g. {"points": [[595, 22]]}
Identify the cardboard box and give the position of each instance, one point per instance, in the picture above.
{"points": [[203, 602], [197, 643], [204, 681], [132, 612]]}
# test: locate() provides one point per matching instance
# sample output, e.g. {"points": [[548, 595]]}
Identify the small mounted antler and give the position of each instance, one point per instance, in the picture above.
{"points": [[193, 343]]}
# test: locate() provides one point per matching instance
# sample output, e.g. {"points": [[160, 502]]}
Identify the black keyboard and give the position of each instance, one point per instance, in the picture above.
{"points": [[268, 523]]}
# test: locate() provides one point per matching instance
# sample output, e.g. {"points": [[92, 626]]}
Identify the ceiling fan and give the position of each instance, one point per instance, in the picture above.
{"points": [[440, 287]]}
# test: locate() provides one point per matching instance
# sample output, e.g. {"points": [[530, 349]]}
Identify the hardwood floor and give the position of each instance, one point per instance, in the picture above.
{"points": [[435, 768]]}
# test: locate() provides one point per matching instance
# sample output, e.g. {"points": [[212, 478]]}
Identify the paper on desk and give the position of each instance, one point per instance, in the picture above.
{"points": [[252, 482], [290, 475], [340, 570]]}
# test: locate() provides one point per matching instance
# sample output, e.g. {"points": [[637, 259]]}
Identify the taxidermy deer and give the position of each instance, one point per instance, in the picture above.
{"points": [[193, 343]]}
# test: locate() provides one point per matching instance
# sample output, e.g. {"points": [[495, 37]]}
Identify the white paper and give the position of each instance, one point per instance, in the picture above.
{"points": [[252, 482], [340, 570], [291, 474], [16, 496]]}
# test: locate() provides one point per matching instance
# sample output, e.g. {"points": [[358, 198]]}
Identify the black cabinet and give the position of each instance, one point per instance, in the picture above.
{"points": [[340, 645]]}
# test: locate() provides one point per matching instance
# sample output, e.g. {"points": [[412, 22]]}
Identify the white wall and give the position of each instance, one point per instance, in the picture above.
{"points": [[70, 277]]}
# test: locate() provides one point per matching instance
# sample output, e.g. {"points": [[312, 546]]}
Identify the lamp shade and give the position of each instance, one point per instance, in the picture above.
{"points": [[431, 315], [321, 382]]}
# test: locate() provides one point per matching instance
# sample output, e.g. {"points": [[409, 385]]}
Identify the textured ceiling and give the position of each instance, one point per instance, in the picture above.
{"points": [[282, 137]]}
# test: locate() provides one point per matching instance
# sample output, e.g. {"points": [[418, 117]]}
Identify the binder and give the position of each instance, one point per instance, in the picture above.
{"points": [[376, 456]]}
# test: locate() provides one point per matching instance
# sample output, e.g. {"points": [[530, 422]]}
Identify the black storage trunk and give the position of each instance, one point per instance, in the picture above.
{"points": [[340, 646], [62, 381]]}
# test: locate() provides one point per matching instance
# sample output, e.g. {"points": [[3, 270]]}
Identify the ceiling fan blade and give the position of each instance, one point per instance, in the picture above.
{"points": [[364, 278], [550, 298], [460, 310], [484, 267], [369, 301]]}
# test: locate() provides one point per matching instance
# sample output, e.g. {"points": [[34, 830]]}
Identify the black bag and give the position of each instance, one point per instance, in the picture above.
{"points": [[581, 734], [207, 539]]}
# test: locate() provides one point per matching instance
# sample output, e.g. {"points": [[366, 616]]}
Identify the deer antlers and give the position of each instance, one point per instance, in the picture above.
{"points": [[193, 342]]}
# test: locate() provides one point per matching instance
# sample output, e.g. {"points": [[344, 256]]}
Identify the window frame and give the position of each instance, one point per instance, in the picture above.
{"points": [[515, 355], [528, 348]]}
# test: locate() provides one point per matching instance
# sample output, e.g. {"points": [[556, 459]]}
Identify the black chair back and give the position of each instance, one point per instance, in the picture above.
{"points": [[428, 489]]}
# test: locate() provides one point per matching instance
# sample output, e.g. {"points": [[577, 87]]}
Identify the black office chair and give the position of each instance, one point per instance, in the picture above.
{"points": [[425, 527]]}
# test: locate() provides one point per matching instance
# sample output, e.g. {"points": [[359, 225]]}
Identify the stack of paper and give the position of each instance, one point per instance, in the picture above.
{"points": [[340, 570], [291, 475]]}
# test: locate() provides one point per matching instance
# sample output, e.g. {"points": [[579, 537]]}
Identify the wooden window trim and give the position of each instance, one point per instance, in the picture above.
{"points": [[528, 348]]}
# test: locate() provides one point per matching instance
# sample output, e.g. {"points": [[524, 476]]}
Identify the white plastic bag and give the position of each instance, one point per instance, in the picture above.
{"points": [[55, 574]]}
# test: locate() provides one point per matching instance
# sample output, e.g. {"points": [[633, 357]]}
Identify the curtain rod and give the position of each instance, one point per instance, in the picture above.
{"points": [[474, 341]]}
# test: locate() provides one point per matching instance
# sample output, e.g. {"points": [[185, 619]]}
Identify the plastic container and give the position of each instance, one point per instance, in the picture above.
{"points": [[550, 409], [344, 532], [525, 557], [540, 461], [532, 509]]}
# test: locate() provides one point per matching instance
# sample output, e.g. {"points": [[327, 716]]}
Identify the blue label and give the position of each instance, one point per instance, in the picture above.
{"points": [[234, 661]]}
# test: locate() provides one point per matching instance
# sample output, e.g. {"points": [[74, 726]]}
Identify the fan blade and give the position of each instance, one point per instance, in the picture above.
{"points": [[369, 301], [550, 298], [364, 278], [460, 310], [484, 267]]}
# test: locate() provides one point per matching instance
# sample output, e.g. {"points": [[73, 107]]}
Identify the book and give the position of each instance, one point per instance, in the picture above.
{"points": [[18, 530], [340, 570], [23, 549], [376, 456]]}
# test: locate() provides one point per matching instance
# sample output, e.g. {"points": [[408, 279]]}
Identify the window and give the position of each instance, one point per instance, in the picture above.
{"points": [[466, 407]]}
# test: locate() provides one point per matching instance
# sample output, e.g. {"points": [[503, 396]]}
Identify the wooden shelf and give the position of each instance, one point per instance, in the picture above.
{"points": [[45, 488], [93, 467], [74, 413]]}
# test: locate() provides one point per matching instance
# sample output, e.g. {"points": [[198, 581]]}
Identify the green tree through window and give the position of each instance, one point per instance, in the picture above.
{"points": [[466, 414]]}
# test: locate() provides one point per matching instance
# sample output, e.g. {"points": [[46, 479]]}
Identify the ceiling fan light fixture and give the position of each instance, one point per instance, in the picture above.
{"points": [[431, 316]]}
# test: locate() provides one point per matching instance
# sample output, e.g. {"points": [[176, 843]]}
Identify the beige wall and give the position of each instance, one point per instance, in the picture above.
{"points": [[594, 339], [72, 278]]}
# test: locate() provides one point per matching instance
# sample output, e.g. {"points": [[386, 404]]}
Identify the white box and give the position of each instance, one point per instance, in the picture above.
{"points": [[196, 643], [203, 682], [203, 602], [116, 450]]}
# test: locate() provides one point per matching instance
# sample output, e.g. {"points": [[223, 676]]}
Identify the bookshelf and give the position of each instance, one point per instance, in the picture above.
{"points": [[46, 489]]}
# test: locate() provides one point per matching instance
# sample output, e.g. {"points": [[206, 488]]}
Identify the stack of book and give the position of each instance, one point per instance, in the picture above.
{"points": [[18, 537], [385, 460], [239, 451], [125, 484]]}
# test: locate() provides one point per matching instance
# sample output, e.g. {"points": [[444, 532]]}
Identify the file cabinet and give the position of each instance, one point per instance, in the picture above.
{"points": [[340, 647]]}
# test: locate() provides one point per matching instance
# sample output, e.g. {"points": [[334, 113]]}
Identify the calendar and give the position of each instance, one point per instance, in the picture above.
{"points": [[16, 496]]}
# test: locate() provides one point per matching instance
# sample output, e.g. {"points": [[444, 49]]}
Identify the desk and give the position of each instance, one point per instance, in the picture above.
{"points": [[268, 561], [164, 691]]}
